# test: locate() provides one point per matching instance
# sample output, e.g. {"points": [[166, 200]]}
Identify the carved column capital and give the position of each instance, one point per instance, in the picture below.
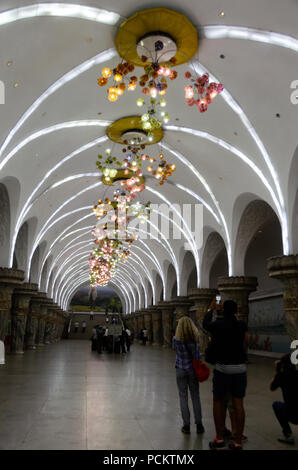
{"points": [[238, 288], [285, 268]]}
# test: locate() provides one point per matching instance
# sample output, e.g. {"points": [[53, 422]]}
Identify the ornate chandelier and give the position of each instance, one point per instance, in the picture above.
{"points": [[205, 91]]}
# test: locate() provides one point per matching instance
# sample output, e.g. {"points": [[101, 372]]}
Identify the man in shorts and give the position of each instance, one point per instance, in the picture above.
{"points": [[229, 337]]}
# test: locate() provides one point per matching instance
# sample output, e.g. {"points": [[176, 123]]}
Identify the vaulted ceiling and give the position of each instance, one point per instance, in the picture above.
{"points": [[55, 116]]}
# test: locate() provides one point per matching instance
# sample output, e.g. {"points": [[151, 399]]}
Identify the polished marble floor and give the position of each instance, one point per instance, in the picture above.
{"points": [[65, 397]]}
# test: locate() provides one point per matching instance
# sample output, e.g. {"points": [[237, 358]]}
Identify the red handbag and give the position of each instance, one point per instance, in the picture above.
{"points": [[201, 369]]}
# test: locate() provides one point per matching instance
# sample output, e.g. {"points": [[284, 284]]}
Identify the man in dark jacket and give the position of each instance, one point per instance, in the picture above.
{"points": [[229, 379], [286, 377]]}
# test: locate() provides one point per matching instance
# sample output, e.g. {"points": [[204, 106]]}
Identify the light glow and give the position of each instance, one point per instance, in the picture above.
{"points": [[98, 59], [59, 9], [249, 34]]}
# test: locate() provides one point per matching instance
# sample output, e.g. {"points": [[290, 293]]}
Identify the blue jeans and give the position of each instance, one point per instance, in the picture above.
{"points": [[188, 380], [282, 414]]}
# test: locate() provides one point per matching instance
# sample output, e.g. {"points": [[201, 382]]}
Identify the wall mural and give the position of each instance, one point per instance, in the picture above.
{"points": [[266, 326], [105, 300]]}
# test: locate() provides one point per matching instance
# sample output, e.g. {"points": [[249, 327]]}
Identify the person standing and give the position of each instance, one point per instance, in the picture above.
{"points": [[229, 338], [186, 345], [132, 336], [76, 326], [91, 315], [94, 339], [100, 336], [144, 336], [105, 339], [286, 378], [128, 339], [123, 341], [83, 326]]}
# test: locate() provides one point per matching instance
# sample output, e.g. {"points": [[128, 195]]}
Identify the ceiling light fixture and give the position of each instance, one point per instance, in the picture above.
{"points": [[59, 9]]}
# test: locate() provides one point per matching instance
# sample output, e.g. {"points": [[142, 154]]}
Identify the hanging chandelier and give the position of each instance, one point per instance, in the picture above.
{"points": [[156, 40], [200, 92]]}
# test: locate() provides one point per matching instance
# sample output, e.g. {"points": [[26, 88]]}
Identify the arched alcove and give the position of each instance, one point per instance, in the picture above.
{"points": [[266, 242], [171, 281], [9, 203], [45, 272], [293, 202], [219, 268], [34, 266], [255, 214], [188, 266], [15, 262], [295, 225], [4, 226], [158, 286], [21, 247], [214, 260], [192, 280], [174, 291], [148, 288]]}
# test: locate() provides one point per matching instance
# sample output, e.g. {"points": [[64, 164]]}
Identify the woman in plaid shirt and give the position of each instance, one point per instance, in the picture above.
{"points": [[186, 345]]}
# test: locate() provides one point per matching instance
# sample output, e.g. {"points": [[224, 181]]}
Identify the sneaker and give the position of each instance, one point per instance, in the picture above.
{"points": [[287, 439], [185, 429], [234, 446], [200, 429], [217, 444]]}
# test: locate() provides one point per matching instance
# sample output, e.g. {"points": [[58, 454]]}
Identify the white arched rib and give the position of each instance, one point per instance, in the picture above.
{"points": [[98, 59], [67, 10], [232, 103], [249, 34], [28, 203]]}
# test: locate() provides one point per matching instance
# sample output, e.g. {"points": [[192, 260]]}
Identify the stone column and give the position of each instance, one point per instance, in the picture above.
{"points": [[19, 314], [9, 279], [43, 309], [156, 326], [59, 325], [201, 299], [134, 324], [139, 325], [49, 321], [181, 308], [285, 268], [126, 320], [167, 316], [148, 324], [32, 322], [66, 320], [238, 288], [53, 322]]}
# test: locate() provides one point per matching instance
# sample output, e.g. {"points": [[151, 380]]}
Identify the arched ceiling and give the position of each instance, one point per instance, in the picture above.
{"points": [[53, 126]]}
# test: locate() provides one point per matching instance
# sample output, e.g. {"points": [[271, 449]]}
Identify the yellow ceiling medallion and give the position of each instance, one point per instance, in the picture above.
{"points": [[130, 130], [138, 35]]}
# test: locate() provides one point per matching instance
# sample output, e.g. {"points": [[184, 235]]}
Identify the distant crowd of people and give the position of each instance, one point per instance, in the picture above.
{"points": [[77, 326], [227, 352], [101, 340]]}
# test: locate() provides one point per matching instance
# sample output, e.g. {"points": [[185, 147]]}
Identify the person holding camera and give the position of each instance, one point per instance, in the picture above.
{"points": [[286, 377], [228, 351]]}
